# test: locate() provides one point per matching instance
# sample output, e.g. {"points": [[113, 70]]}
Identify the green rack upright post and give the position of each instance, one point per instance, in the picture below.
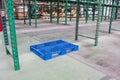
{"points": [[58, 16], [51, 11], [66, 11], [77, 19], [112, 15], [103, 2], [24, 11], [98, 23], [35, 8], [12, 28]]}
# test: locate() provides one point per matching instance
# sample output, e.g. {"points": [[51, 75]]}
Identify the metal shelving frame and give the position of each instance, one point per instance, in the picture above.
{"points": [[9, 10]]}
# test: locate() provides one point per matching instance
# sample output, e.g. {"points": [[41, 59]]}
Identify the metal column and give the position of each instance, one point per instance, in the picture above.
{"points": [[98, 23], [66, 11], [13, 34], [51, 11], [77, 19]]}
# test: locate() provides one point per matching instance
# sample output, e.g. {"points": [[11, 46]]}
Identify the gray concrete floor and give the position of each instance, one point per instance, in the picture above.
{"points": [[104, 58]]}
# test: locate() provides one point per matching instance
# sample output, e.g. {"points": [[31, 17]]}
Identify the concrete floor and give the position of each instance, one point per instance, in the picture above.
{"points": [[90, 63]]}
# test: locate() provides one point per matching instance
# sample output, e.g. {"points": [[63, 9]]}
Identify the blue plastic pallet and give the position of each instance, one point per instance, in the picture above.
{"points": [[53, 49]]}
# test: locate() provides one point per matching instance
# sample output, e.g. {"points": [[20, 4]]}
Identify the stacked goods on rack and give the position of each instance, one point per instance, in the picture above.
{"points": [[73, 13], [44, 11], [45, 15], [54, 14], [62, 12], [19, 12]]}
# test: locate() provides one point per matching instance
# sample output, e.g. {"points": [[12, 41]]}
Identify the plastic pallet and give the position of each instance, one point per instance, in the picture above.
{"points": [[53, 49]]}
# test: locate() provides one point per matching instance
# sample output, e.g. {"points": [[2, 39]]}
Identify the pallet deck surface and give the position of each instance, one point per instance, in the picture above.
{"points": [[53, 49]]}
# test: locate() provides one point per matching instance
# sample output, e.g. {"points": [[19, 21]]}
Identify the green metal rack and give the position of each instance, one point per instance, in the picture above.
{"points": [[100, 4], [113, 15], [12, 29], [97, 25]]}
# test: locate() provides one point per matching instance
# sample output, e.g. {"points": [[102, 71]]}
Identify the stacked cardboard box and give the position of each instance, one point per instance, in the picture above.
{"points": [[19, 12]]}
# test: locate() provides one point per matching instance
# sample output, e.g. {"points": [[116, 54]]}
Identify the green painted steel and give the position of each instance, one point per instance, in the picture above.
{"points": [[24, 11], [70, 12], [86, 36], [103, 1], [117, 2], [112, 16], [88, 3], [5, 33], [35, 8], [93, 10], [51, 11], [98, 23], [13, 34], [87, 10], [29, 12], [58, 16], [106, 9], [66, 12], [109, 10], [116, 13], [77, 20]]}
